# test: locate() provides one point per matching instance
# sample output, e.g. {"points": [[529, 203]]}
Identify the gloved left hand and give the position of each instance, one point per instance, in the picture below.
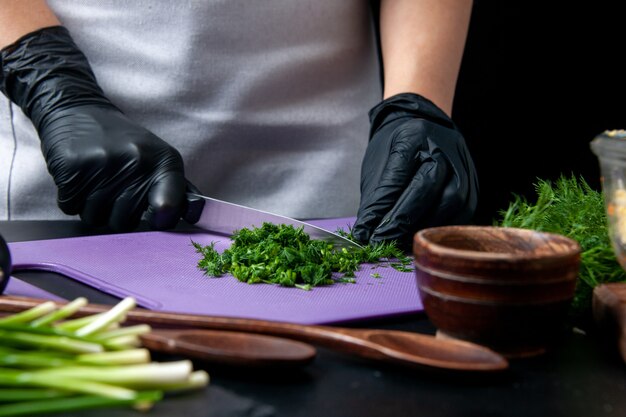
{"points": [[417, 172], [106, 167]]}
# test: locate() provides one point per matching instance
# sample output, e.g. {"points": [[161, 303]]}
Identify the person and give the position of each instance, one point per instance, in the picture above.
{"points": [[265, 104]]}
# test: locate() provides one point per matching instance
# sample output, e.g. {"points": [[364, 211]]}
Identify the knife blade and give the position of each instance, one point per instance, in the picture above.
{"points": [[224, 218]]}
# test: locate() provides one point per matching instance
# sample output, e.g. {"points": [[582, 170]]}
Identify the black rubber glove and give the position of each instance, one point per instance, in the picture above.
{"points": [[106, 168], [416, 173], [5, 264]]}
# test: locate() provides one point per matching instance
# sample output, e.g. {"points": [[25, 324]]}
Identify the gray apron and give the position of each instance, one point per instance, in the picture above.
{"points": [[266, 100]]}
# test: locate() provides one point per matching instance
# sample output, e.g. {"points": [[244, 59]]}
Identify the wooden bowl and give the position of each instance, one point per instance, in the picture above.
{"points": [[508, 289]]}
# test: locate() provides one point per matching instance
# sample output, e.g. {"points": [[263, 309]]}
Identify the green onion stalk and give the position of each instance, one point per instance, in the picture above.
{"points": [[51, 363]]}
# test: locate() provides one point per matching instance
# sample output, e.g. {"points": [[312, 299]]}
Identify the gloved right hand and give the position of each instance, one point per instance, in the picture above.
{"points": [[107, 168], [417, 172]]}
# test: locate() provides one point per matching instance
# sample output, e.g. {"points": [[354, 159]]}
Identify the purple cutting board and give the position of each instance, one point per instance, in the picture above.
{"points": [[159, 270]]}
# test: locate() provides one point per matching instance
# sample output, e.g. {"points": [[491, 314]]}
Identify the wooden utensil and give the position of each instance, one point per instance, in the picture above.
{"points": [[506, 288], [229, 348], [609, 312], [391, 346]]}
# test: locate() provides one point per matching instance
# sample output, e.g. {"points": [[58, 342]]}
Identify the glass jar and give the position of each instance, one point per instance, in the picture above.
{"points": [[610, 148]]}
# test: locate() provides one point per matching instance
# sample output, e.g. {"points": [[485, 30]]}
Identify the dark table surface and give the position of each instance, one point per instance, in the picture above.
{"points": [[582, 376]]}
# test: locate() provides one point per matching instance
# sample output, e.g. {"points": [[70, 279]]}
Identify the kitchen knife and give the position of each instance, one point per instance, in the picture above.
{"points": [[224, 218]]}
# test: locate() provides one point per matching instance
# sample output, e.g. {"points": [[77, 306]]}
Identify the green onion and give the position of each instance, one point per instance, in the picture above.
{"points": [[30, 394], [74, 324], [29, 408], [122, 357], [107, 318], [65, 311], [123, 331], [29, 315], [51, 363], [61, 343], [144, 375]]}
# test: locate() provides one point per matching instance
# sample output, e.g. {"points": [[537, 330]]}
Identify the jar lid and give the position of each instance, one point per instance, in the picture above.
{"points": [[610, 144]]}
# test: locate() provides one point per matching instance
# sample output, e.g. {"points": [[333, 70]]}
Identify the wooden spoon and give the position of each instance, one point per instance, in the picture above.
{"points": [[390, 346], [229, 348]]}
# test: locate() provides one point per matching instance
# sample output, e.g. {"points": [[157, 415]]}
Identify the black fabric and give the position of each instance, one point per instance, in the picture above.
{"points": [[5, 264], [417, 172], [107, 168]]}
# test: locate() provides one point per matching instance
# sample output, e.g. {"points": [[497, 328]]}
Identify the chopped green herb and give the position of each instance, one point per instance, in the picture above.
{"points": [[376, 275], [287, 256], [401, 267], [212, 261]]}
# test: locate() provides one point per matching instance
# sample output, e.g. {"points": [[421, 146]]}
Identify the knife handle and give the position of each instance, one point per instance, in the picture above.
{"points": [[195, 204]]}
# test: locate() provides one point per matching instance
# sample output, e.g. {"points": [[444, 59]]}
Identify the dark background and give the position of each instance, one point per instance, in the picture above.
{"points": [[537, 83]]}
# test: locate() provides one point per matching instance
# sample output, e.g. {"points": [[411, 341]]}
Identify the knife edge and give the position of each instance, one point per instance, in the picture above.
{"points": [[224, 218]]}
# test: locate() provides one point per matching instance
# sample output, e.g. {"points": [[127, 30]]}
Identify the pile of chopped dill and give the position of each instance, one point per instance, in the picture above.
{"points": [[287, 256], [570, 207]]}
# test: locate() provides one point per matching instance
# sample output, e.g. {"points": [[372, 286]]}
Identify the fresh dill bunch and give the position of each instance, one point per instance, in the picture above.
{"points": [[570, 207], [287, 256]]}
